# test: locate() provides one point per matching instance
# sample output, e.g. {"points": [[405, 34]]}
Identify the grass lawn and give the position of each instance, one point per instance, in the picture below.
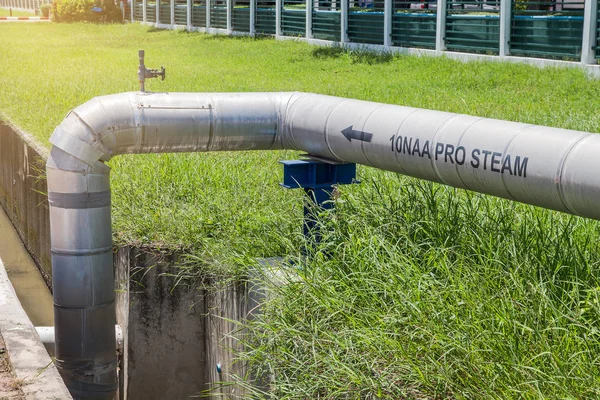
{"points": [[5, 12], [419, 291]]}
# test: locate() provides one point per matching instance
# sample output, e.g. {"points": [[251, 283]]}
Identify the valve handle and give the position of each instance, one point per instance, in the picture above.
{"points": [[147, 73]]}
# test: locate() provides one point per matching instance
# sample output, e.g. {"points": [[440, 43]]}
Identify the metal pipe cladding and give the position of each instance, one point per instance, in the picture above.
{"points": [[548, 167]]}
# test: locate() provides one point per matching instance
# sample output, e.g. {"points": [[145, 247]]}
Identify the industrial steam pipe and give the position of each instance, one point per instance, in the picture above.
{"points": [[548, 167]]}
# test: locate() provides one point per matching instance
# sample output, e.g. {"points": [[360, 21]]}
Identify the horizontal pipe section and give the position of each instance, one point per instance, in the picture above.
{"points": [[46, 334], [548, 167]]}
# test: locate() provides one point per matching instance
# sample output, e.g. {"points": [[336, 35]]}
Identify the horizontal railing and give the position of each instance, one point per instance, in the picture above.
{"points": [[32, 5]]}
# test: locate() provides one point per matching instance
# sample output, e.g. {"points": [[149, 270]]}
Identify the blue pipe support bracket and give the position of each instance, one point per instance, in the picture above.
{"points": [[318, 179]]}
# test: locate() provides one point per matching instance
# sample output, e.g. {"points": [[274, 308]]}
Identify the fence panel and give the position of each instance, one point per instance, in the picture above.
{"points": [[265, 17], [326, 20], [547, 29], [413, 24], [181, 12], [473, 26], [151, 11], [365, 21], [199, 13], [240, 17], [218, 14], [293, 18], [164, 13], [138, 11]]}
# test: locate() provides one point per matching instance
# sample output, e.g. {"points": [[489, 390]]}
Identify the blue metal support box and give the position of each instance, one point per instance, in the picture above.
{"points": [[318, 179]]}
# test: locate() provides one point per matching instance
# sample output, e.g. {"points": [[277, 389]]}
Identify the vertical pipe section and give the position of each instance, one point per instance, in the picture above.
{"points": [[82, 275]]}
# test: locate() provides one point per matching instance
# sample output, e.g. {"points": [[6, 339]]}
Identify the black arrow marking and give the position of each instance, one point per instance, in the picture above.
{"points": [[350, 134]]}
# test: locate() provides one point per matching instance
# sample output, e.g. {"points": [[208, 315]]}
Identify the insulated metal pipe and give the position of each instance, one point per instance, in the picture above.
{"points": [[548, 167]]}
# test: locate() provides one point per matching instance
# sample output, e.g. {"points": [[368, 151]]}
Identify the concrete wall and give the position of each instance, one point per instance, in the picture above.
{"points": [[175, 333], [23, 193]]}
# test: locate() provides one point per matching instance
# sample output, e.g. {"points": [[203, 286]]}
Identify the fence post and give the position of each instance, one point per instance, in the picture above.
{"points": [[207, 24], [344, 22], [387, 23], [278, 6], [229, 5], [252, 28], [144, 10], [172, 4], [505, 24], [188, 17], [590, 26], [309, 12], [440, 30], [132, 10]]}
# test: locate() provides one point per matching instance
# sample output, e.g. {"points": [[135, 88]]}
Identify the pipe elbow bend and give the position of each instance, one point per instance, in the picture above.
{"points": [[88, 131]]}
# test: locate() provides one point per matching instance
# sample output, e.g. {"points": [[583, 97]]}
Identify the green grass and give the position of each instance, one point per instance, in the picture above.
{"points": [[419, 291], [5, 12]]}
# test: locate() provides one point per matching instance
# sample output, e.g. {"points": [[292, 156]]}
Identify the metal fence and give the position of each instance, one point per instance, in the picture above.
{"points": [[32, 5], [552, 29], [547, 29]]}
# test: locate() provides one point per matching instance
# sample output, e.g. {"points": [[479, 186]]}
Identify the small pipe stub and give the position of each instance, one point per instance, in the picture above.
{"points": [[146, 73]]}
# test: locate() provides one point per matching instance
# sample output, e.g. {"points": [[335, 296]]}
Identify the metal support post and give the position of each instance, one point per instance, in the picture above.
{"points": [[309, 14], [505, 23], [157, 20], [278, 7], [252, 29], [144, 10], [590, 32], [387, 22], [172, 5], [188, 17], [344, 22], [229, 5], [207, 24], [318, 179], [440, 30]]}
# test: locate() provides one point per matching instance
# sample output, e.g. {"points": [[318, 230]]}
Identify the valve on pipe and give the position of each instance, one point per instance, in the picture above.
{"points": [[146, 73]]}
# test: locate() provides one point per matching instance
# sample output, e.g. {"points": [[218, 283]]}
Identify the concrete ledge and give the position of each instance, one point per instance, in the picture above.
{"points": [[30, 361]]}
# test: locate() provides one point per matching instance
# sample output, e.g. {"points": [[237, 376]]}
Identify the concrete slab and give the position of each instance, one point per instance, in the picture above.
{"points": [[30, 361]]}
